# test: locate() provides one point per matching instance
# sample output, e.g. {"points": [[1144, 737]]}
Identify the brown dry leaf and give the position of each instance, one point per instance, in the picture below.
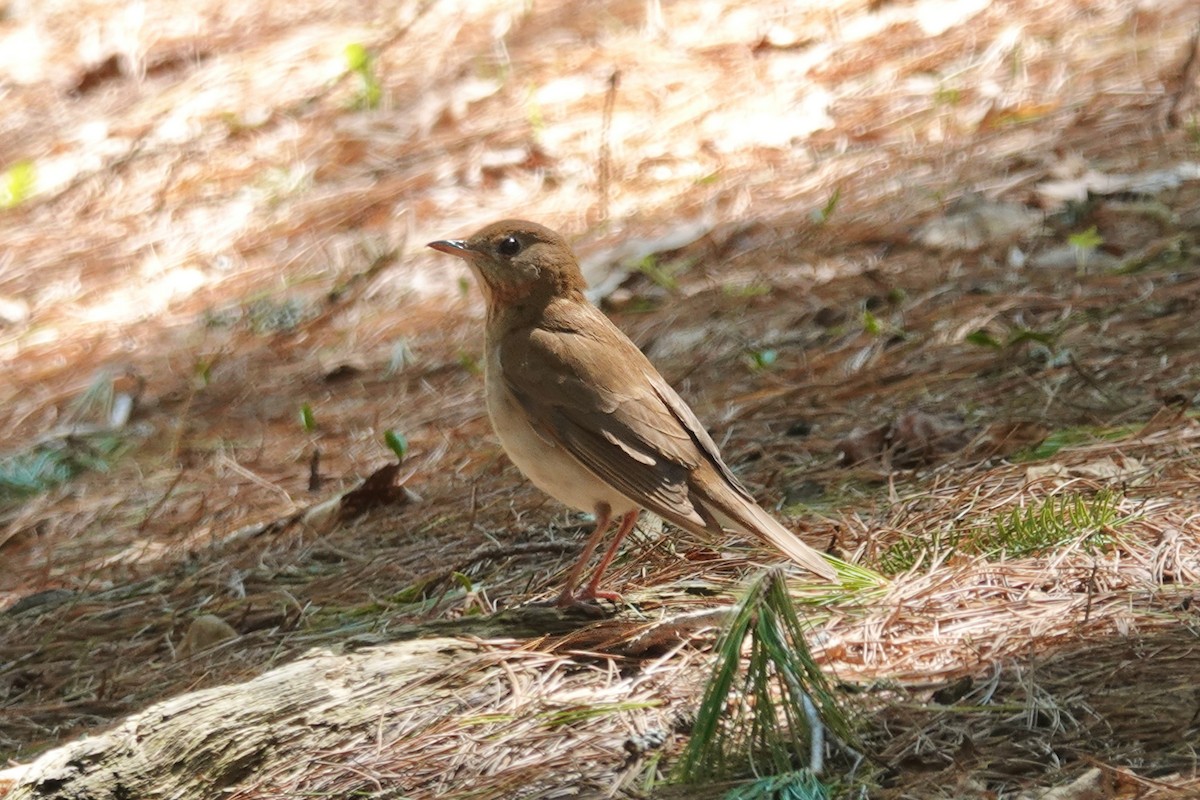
{"points": [[912, 439], [205, 631], [1110, 468], [1001, 439], [998, 115], [1040, 472], [384, 487], [341, 368], [1171, 414], [979, 223], [863, 445]]}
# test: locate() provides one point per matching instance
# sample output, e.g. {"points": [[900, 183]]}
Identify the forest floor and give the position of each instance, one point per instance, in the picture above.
{"points": [[928, 271]]}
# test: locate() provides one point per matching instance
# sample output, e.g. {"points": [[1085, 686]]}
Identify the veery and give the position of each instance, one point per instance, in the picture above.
{"points": [[583, 413]]}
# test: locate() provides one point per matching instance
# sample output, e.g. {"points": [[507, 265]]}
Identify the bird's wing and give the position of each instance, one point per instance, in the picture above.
{"points": [[592, 392], [589, 390]]}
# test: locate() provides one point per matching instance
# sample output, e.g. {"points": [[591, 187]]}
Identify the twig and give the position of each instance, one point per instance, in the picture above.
{"points": [[314, 471], [610, 100], [1189, 77], [154, 509]]}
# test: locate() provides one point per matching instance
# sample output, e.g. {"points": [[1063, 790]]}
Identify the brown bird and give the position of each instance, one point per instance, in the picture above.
{"points": [[582, 412]]}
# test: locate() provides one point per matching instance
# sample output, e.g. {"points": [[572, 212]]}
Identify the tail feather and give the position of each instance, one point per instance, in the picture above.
{"points": [[740, 512]]}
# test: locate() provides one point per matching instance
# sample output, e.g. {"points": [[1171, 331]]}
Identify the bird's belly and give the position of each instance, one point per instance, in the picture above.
{"points": [[547, 465]]}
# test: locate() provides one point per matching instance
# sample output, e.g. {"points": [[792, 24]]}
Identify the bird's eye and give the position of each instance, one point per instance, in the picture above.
{"points": [[509, 246]]}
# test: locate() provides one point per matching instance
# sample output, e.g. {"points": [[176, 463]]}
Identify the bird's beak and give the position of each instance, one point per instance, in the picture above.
{"points": [[455, 247]]}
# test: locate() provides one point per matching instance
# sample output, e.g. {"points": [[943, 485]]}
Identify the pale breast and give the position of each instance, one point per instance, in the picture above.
{"points": [[547, 465]]}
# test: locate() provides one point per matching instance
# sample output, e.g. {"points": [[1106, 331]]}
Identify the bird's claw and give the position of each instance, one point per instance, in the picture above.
{"points": [[584, 602]]}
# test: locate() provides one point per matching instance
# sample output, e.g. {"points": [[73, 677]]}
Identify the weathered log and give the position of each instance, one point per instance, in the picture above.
{"points": [[199, 743], [203, 742]]}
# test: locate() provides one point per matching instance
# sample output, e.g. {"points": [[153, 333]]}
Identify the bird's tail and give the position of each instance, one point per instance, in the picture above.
{"points": [[738, 510]]}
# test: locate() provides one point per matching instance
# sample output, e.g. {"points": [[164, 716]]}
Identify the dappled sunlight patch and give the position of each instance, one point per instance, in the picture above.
{"points": [[155, 295]]}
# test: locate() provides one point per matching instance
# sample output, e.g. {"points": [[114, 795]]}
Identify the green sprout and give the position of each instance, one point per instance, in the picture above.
{"points": [[821, 215], [747, 290], [763, 359], [17, 183], [308, 420], [982, 338], [1084, 244], [947, 96], [871, 323], [650, 267], [396, 443], [360, 62], [469, 362]]}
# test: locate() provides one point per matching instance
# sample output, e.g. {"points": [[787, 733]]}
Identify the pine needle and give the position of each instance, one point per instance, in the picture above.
{"points": [[771, 718]]}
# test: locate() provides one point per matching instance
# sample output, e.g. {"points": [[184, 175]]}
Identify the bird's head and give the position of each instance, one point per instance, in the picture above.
{"points": [[518, 262]]}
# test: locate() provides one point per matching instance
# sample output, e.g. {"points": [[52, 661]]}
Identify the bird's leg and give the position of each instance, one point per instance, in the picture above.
{"points": [[593, 587], [603, 518]]}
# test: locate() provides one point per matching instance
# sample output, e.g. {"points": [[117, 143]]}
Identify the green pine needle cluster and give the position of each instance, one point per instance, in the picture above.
{"points": [[47, 465], [1090, 521], [774, 716]]}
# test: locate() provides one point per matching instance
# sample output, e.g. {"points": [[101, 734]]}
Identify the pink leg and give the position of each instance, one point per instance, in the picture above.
{"points": [[593, 587], [603, 518]]}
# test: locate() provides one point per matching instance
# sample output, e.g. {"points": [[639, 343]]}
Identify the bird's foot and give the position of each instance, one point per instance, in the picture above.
{"points": [[594, 594], [584, 602]]}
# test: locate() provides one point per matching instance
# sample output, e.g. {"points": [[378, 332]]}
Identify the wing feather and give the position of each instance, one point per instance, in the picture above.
{"points": [[592, 392]]}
